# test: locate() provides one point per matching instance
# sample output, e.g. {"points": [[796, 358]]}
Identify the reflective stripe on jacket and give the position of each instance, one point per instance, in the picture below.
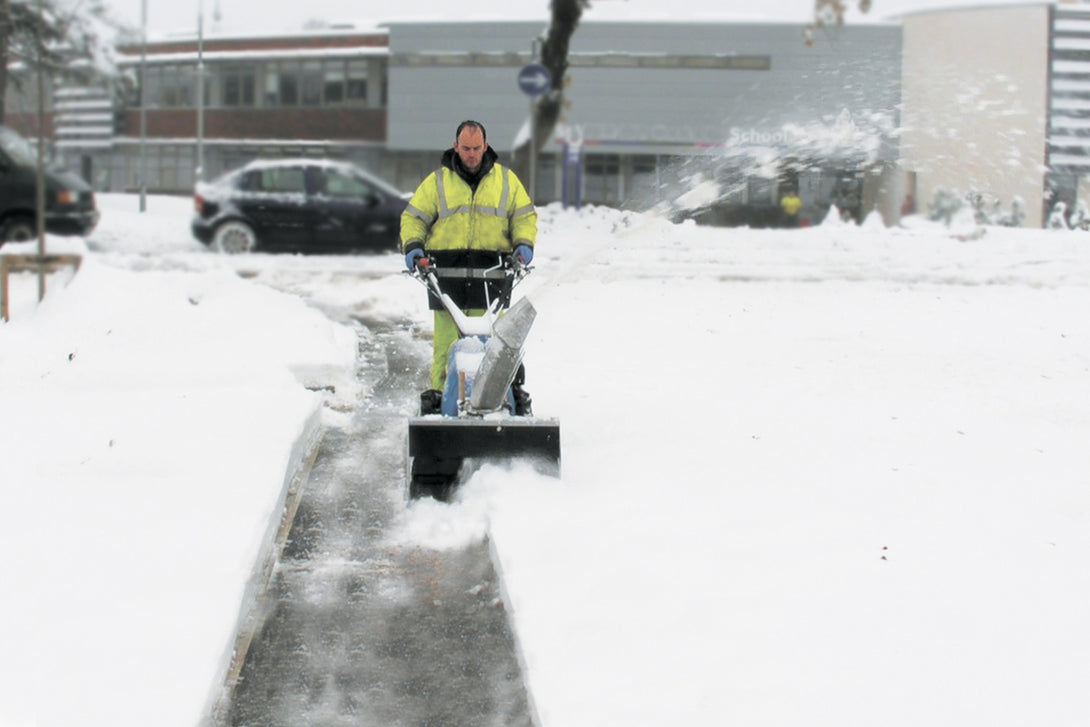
{"points": [[445, 214]]}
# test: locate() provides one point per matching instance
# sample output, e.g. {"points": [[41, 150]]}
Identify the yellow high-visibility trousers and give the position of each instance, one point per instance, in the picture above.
{"points": [[446, 333]]}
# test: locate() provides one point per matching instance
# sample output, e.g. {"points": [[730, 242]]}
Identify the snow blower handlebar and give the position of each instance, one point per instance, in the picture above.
{"points": [[507, 266]]}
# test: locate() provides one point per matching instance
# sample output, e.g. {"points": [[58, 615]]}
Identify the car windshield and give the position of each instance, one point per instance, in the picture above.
{"points": [[16, 147], [377, 182], [362, 178]]}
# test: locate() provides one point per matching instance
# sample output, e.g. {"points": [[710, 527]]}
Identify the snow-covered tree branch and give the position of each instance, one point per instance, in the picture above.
{"points": [[830, 13], [66, 38]]}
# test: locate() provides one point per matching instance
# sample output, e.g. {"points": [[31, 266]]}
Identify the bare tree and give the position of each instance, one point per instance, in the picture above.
{"points": [[830, 13], [25, 35], [554, 56], [74, 40]]}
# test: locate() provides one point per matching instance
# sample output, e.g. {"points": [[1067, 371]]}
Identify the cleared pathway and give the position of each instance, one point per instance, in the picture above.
{"points": [[359, 632]]}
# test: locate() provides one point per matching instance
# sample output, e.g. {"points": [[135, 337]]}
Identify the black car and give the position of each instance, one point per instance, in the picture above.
{"points": [[69, 201], [298, 205]]}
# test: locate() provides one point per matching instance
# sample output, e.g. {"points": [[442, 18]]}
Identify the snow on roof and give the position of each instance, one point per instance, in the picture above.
{"points": [[938, 6], [334, 28], [595, 15], [234, 55], [285, 142]]}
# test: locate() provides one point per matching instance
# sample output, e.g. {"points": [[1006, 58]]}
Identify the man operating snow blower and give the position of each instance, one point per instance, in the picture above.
{"points": [[468, 236], [460, 218]]}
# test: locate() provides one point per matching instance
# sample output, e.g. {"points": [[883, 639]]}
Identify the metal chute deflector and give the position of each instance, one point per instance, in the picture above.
{"points": [[502, 356]]}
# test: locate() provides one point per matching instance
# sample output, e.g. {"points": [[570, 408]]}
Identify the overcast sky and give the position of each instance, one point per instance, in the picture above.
{"points": [[168, 17]]}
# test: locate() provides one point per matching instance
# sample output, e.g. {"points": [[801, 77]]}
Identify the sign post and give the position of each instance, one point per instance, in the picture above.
{"points": [[572, 169], [534, 80]]}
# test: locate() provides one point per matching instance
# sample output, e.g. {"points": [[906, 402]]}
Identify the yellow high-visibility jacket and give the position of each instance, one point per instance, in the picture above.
{"points": [[446, 214], [791, 204]]}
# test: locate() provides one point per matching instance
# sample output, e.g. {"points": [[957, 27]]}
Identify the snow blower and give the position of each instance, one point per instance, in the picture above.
{"points": [[480, 418]]}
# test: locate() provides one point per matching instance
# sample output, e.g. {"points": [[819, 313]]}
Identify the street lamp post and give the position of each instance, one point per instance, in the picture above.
{"points": [[39, 191], [143, 104], [200, 90]]}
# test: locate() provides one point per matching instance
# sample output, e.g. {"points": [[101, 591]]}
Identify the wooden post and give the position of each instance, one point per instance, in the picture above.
{"points": [[40, 264]]}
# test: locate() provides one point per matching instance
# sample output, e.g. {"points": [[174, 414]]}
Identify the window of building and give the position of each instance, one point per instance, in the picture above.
{"points": [[177, 86], [208, 83], [270, 95], [333, 78], [761, 190], [355, 91], [546, 178], [238, 85], [152, 84], [176, 168], [168, 167], [644, 185], [22, 95], [312, 83], [733, 184], [287, 83], [602, 179], [149, 169], [378, 70]]}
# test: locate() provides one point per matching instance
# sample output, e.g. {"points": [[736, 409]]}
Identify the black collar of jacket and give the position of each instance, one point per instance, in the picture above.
{"points": [[452, 161]]}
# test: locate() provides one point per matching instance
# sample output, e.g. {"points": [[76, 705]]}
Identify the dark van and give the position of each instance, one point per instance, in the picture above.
{"points": [[69, 201]]}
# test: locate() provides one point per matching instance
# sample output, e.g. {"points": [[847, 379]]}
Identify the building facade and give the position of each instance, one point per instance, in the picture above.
{"points": [[976, 104], [314, 94], [653, 109], [748, 107], [1067, 159]]}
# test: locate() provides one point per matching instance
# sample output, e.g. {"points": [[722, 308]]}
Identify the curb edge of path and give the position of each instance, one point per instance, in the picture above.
{"points": [[509, 609], [252, 610]]}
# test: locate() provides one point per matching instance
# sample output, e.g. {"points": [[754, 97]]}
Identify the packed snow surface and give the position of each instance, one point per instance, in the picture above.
{"points": [[828, 476]]}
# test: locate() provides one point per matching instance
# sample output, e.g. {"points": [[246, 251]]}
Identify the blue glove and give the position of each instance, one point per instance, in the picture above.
{"points": [[524, 254], [412, 257]]}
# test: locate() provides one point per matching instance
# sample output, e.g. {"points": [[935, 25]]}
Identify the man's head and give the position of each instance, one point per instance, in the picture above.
{"points": [[470, 142]]}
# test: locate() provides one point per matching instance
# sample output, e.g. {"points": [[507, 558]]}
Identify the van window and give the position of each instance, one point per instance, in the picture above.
{"points": [[18, 148]]}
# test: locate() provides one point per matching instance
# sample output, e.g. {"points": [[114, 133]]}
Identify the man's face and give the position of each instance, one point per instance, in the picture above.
{"points": [[470, 147]]}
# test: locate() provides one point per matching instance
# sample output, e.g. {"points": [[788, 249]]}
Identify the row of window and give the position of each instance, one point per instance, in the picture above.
{"points": [[725, 61], [171, 167], [273, 83]]}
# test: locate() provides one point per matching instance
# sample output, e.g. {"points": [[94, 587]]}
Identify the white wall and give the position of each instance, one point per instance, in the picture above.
{"points": [[974, 94]]}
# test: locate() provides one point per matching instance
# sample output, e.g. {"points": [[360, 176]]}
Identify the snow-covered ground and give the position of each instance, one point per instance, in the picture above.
{"points": [[830, 476]]}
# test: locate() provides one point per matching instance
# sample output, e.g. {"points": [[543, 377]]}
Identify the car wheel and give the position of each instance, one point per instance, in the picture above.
{"points": [[234, 237], [20, 228]]}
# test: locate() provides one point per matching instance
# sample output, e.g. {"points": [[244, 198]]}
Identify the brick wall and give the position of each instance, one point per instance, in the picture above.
{"points": [[347, 123], [26, 125]]}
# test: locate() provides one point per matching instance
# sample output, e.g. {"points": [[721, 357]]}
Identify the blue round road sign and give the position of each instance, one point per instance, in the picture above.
{"points": [[534, 79]]}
